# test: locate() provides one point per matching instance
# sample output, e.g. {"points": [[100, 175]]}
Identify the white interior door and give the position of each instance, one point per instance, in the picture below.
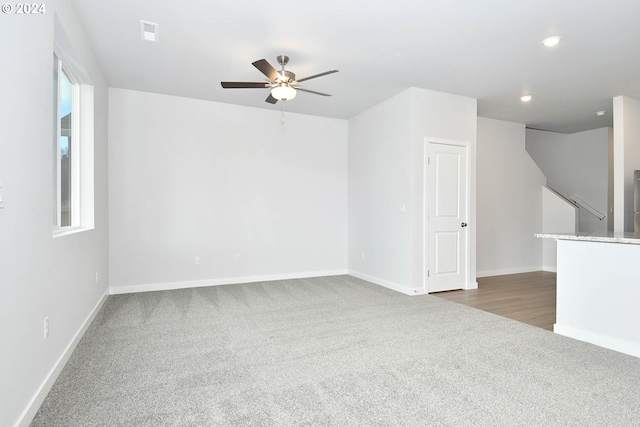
{"points": [[447, 213]]}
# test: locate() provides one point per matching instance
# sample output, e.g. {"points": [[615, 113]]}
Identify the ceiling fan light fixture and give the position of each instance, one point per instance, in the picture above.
{"points": [[283, 92]]}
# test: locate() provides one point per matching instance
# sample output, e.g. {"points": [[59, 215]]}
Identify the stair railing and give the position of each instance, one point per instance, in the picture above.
{"points": [[576, 200]]}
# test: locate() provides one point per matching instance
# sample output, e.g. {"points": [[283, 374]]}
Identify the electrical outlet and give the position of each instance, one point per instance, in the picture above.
{"points": [[362, 255], [197, 260], [46, 328], [238, 259], [97, 277]]}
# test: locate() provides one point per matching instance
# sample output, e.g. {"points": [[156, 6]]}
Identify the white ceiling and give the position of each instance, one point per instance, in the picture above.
{"points": [[485, 49]]}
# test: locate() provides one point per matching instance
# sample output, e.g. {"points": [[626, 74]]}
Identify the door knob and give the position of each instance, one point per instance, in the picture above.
{"points": [[464, 224]]}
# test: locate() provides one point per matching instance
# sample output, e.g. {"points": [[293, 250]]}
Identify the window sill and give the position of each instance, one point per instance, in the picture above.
{"points": [[60, 232]]}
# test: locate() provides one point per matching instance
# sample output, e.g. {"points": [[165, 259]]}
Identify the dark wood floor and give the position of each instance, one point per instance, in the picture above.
{"points": [[527, 297]]}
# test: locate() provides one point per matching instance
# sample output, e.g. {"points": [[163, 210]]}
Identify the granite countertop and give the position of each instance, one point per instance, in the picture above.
{"points": [[606, 237]]}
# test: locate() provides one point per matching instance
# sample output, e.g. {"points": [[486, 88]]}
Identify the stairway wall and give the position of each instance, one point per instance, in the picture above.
{"points": [[509, 201], [576, 164]]}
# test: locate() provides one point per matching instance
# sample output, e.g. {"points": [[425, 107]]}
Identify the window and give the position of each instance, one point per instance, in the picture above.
{"points": [[72, 149], [66, 148]]}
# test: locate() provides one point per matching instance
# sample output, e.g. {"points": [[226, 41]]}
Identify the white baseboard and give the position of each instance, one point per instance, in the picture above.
{"points": [[116, 290], [387, 284], [615, 344], [503, 271], [32, 408]]}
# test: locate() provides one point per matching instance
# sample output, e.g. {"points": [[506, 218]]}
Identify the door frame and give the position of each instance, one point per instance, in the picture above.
{"points": [[427, 188]]}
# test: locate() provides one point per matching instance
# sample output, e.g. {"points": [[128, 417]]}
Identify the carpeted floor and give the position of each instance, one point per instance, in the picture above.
{"points": [[330, 351]]}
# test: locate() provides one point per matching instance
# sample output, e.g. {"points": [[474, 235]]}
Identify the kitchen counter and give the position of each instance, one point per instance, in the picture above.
{"points": [[598, 289], [608, 237]]}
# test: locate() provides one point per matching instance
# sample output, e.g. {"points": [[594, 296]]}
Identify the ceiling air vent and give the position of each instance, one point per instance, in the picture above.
{"points": [[149, 31]]}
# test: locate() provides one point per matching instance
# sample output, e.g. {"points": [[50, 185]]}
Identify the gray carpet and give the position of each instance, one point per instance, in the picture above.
{"points": [[330, 351]]}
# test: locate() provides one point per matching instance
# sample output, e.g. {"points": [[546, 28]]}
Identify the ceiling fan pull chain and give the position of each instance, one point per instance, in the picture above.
{"points": [[282, 118]]}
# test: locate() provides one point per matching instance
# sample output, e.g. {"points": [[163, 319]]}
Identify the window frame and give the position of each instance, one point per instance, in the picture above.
{"points": [[74, 149], [81, 162]]}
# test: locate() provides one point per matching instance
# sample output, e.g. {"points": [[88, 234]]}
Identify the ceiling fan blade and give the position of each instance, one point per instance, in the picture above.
{"points": [[270, 99], [266, 69], [244, 85], [312, 91], [317, 75]]}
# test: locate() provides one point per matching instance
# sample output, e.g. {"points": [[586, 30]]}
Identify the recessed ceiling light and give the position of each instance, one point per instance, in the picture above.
{"points": [[525, 98], [551, 41], [600, 113]]}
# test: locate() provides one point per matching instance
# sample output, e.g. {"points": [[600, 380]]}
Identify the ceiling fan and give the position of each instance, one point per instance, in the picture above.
{"points": [[283, 83]]}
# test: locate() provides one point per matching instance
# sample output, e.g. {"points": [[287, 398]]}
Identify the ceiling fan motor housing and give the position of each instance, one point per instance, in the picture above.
{"points": [[286, 76]]}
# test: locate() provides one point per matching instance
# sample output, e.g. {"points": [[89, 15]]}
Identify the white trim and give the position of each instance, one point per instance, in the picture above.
{"points": [[615, 344], [168, 286], [76, 143], [56, 141], [59, 232], [514, 270], [32, 408], [426, 162], [387, 284]]}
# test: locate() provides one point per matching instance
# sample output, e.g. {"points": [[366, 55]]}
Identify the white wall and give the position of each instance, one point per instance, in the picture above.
{"points": [[576, 164], [42, 276], [386, 153], [194, 178], [626, 125], [558, 217], [509, 201], [379, 184], [591, 154]]}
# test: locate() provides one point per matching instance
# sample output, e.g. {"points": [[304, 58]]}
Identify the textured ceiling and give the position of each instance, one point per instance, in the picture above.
{"points": [[485, 49]]}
